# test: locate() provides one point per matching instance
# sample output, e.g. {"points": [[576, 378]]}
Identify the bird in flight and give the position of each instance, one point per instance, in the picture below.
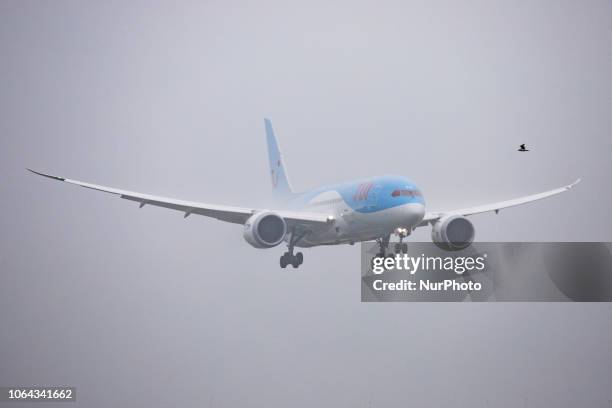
{"points": [[522, 148]]}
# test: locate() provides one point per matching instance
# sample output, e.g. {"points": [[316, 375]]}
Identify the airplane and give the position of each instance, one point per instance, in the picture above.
{"points": [[371, 209]]}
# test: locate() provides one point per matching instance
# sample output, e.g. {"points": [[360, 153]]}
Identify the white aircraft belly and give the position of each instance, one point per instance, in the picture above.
{"points": [[353, 226]]}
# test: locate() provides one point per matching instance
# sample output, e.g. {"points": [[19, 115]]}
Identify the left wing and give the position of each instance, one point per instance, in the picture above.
{"points": [[237, 215], [431, 217]]}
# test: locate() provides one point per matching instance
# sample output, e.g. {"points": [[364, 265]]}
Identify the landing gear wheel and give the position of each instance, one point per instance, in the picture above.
{"points": [[295, 262], [284, 260], [290, 259], [401, 248]]}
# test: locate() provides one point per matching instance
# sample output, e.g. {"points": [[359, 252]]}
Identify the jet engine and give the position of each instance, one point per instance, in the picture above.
{"points": [[265, 230], [452, 233]]}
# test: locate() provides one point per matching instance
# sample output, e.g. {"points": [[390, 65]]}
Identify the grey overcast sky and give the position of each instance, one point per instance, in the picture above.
{"points": [[142, 308]]}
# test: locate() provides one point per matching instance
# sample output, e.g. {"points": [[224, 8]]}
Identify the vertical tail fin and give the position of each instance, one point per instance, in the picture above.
{"points": [[280, 181]]}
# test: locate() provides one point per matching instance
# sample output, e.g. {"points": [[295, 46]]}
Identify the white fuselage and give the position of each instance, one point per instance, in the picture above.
{"points": [[352, 226]]}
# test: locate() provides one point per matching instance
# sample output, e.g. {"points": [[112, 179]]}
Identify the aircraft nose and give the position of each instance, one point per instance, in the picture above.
{"points": [[414, 213], [420, 212]]}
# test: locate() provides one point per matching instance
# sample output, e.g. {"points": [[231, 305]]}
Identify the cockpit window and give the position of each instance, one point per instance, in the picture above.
{"points": [[406, 193]]}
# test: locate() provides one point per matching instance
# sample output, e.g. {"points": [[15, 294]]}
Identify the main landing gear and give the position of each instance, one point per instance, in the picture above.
{"points": [[383, 244], [401, 247], [288, 258]]}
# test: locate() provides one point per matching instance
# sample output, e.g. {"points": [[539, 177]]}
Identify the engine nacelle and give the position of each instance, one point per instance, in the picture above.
{"points": [[452, 233], [265, 230]]}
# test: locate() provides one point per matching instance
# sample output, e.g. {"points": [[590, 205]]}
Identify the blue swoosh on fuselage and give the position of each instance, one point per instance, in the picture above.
{"points": [[367, 195]]}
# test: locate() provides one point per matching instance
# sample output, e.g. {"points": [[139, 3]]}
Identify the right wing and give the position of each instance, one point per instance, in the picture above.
{"points": [[237, 215]]}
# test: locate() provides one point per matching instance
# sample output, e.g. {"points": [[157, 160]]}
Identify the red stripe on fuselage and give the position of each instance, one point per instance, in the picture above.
{"points": [[362, 191]]}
